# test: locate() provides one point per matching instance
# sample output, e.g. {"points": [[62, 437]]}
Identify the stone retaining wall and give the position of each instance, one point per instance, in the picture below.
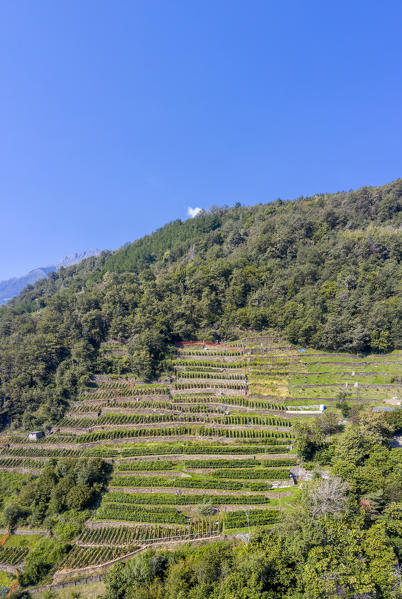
{"points": [[63, 585]]}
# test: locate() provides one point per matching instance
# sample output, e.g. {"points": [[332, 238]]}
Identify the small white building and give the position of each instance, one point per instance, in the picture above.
{"points": [[35, 435]]}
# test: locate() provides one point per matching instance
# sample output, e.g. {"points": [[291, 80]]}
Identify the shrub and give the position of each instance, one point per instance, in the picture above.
{"points": [[42, 560]]}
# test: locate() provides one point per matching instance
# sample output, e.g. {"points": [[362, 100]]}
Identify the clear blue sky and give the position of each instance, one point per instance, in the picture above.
{"points": [[116, 116]]}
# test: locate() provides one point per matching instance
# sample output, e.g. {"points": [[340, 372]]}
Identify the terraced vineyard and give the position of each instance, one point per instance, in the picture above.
{"points": [[205, 452], [126, 535], [13, 556], [82, 557], [306, 377]]}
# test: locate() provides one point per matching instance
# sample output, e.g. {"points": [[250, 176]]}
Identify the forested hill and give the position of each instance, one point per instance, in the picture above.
{"points": [[324, 270]]}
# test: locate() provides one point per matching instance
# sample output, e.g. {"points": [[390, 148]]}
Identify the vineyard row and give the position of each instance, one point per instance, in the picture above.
{"points": [[124, 535], [181, 431]]}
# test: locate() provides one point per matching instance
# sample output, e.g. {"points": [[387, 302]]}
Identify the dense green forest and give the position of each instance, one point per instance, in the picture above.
{"points": [[323, 270]]}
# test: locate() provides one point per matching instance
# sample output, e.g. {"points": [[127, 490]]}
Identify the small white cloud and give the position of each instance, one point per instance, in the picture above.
{"points": [[192, 212]]}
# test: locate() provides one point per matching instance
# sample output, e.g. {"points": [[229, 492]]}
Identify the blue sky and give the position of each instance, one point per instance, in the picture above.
{"points": [[115, 117]]}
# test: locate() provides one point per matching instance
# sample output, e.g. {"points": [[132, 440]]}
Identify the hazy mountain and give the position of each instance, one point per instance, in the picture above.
{"points": [[12, 287], [76, 257]]}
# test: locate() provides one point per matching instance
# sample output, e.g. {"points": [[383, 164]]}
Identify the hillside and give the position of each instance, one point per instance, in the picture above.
{"points": [[269, 444], [323, 270], [216, 451], [13, 287]]}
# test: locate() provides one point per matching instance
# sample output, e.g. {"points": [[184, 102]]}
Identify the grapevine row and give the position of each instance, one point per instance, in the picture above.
{"points": [[20, 463], [265, 474], [168, 449], [13, 556], [124, 535], [209, 352], [81, 557], [237, 386], [207, 364], [134, 513], [117, 419], [210, 375], [239, 463], [180, 431], [42, 453], [173, 499], [241, 518], [186, 483]]}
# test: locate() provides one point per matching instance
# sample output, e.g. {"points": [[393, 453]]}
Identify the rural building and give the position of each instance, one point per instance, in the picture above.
{"points": [[35, 435]]}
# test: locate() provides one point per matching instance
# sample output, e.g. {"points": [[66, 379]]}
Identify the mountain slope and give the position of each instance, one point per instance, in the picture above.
{"points": [[13, 287], [324, 270]]}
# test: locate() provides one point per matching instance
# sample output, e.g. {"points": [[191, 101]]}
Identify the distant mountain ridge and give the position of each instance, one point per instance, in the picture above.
{"points": [[76, 257], [13, 287]]}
